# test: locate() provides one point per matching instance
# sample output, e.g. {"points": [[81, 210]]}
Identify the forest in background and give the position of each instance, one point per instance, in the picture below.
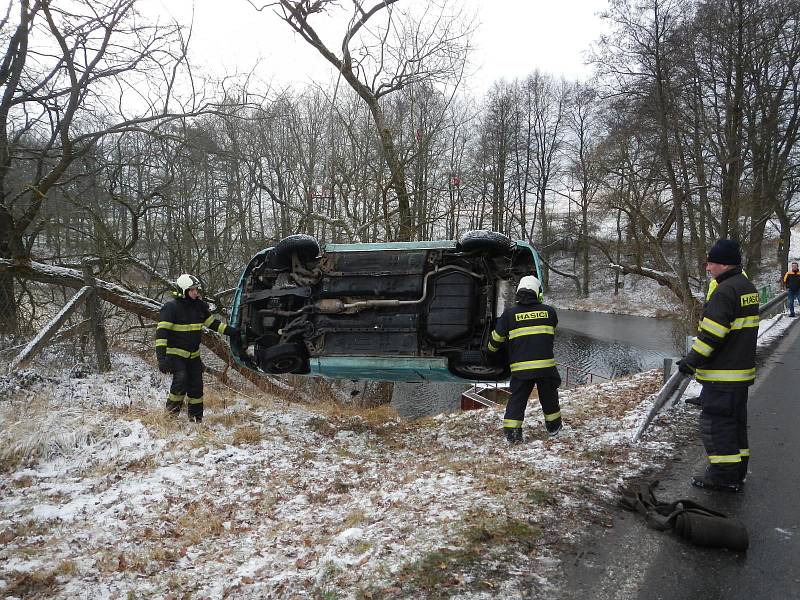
{"points": [[116, 152]]}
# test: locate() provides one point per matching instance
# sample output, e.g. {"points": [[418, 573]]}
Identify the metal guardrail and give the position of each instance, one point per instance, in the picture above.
{"points": [[674, 387], [572, 376], [772, 307]]}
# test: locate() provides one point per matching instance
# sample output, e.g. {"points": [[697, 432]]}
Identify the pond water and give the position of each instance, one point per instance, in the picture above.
{"points": [[609, 345], [588, 347]]}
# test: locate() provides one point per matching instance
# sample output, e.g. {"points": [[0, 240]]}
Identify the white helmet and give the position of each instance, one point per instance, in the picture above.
{"points": [[529, 282], [185, 282]]}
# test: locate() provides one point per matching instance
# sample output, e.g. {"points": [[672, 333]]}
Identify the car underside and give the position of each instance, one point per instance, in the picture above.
{"points": [[391, 300]]}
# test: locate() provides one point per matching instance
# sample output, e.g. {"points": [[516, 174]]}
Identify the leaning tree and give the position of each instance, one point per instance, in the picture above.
{"points": [[72, 74]]}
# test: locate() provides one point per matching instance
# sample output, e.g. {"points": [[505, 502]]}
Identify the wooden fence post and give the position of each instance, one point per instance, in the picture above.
{"points": [[46, 334], [98, 331]]}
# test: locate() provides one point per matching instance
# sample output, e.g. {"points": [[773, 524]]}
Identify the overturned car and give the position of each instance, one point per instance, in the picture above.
{"points": [[401, 311]]}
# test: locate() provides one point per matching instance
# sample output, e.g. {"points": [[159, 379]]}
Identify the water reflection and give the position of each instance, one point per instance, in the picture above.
{"points": [[578, 355]]}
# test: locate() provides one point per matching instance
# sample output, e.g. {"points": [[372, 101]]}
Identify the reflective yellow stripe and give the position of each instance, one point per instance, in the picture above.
{"points": [[716, 459], [492, 347], [497, 337], [744, 452], [222, 328], [532, 330], [161, 342], [725, 374], [183, 353], [208, 321], [552, 416], [177, 327], [712, 287], [190, 400], [176, 397], [714, 328], [533, 364], [702, 348], [512, 424], [743, 322]]}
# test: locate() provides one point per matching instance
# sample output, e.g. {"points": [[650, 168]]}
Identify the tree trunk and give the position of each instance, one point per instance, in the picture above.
{"points": [[132, 302], [97, 329], [9, 322]]}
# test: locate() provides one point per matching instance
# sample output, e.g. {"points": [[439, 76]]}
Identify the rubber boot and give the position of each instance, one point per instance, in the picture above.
{"points": [[173, 407], [196, 412], [709, 482], [514, 435], [553, 427]]}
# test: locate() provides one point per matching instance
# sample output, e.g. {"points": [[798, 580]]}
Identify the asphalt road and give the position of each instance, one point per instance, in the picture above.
{"points": [[630, 561]]}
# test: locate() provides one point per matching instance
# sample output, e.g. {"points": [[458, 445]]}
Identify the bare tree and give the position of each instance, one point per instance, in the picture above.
{"points": [[64, 72], [382, 51], [586, 166]]}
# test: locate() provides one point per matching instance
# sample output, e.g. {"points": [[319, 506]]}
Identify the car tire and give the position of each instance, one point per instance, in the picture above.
{"points": [[471, 365], [491, 242], [283, 358], [305, 246], [478, 372]]}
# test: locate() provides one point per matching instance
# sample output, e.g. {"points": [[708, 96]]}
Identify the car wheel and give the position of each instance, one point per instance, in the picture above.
{"points": [[478, 372], [305, 246], [283, 358], [471, 365], [491, 242]]}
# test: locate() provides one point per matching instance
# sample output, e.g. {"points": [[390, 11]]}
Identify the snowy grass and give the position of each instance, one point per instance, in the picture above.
{"points": [[273, 498], [300, 495]]}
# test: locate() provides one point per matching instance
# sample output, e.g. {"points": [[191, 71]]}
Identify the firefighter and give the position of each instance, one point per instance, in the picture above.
{"points": [[180, 327], [526, 332], [723, 360]]}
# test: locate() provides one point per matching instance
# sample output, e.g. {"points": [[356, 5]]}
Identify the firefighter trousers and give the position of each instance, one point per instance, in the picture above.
{"points": [[723, 430], [521, 390], [187, 382]]}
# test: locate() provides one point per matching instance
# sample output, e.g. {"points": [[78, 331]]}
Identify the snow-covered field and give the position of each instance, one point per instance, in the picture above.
{"points": [[103, 496]]}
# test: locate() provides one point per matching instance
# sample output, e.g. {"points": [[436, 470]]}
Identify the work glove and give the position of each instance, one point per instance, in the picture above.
{"points": [[164, 366], [685, 368], [233, 332]]}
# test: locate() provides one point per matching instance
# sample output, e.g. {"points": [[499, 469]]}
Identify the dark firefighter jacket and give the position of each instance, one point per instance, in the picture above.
{"points": [[724, 351], [528, 329], [180, 327], [791, 281]]}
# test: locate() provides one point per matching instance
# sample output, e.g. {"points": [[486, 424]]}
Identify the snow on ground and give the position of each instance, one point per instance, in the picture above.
{"points": [[105, 497]]}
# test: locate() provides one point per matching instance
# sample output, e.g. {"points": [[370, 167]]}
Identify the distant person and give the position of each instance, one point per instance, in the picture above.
{"points": [[791, 283], [723, 359], [180, 328], [527, 331]]}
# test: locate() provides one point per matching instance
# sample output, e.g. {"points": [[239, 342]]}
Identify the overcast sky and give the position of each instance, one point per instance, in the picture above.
{"points": [[513, 38]]}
